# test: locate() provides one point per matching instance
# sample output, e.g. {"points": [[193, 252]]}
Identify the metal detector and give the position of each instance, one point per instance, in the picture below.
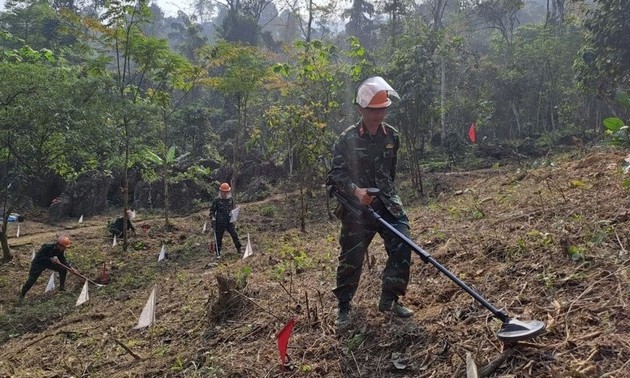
{"points": [[512, 330]]}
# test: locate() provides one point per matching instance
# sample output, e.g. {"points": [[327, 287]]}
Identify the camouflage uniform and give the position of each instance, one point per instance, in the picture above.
{"points": [[364, 160], [220, 213]]}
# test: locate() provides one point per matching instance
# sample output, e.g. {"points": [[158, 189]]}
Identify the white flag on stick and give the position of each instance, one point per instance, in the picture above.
{"points": [[162, 255], [248, 248], [81, 219], [84, 296], [51, 283], [234, 214], [114, 242], [147, 317], [17, 234], [205, 224]]}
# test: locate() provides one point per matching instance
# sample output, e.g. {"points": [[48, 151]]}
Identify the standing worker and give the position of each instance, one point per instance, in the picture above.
{"points": [[365, 156], [221, 213], [48, 257]]}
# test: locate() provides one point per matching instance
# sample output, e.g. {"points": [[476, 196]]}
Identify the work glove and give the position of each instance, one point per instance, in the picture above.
{"points": [[55, 260]]}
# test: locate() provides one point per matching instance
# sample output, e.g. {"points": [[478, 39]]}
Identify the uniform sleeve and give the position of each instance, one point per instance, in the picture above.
{"points": [[392, 171], [62, 259], [213, 208], [339, 173]]}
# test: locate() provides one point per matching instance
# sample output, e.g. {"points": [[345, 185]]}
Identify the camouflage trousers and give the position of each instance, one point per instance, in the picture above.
{"points": [[355, 239]]}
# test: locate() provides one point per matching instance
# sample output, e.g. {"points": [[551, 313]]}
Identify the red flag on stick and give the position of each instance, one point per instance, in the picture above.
{"points": [[472, 132], [283, 340]]}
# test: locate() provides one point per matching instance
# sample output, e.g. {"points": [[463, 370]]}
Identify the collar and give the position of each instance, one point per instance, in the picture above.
{"points": [[363, 130]]}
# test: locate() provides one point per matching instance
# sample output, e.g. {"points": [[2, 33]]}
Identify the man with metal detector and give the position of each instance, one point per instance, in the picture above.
{"points": [[50, 256], [221, 213], [365, 156], [362, 180]]}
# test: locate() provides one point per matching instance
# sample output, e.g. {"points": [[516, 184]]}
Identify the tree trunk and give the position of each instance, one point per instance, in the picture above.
{"points": [[302, 210], [6, 251], [518, 123], [442, 100], [126, 186]]}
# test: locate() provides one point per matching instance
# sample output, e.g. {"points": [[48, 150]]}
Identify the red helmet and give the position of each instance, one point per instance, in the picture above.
{"points": [[225, 187], [63, 240]]}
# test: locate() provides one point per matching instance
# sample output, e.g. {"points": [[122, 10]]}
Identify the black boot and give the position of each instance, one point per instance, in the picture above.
{"points": [[343, 315], [389, 303]]}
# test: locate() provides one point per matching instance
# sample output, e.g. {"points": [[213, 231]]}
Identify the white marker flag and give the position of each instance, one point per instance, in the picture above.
{"points": [[147, 317], [17, 234], [81, 219], [84, 296], [234, 215], [51, 283], [114, 242], [205, 225], [162, 255], [248, 248]]}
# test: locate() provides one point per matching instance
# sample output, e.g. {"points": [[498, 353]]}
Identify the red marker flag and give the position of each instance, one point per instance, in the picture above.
{"points": [[472, 132], [283, 340]]}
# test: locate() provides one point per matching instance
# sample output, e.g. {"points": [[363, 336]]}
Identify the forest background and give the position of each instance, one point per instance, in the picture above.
{"points": [[117, 98]]}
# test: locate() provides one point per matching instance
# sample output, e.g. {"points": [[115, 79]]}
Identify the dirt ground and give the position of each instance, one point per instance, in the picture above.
{"points": [[547, 240]]}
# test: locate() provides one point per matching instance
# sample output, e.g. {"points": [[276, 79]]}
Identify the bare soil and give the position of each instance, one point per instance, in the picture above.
{"points": [[548, 241]]}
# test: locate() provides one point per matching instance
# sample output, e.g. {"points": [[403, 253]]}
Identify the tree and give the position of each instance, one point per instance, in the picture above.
{"points": [[299, 136], [501, 15], [241, 23], [360, 23], [605, 65], [146, 73], [412, 70], [47, 111], [236, 71]]}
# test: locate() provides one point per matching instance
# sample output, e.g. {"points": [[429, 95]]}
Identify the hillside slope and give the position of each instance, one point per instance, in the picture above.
{"points": [[548, 243]]}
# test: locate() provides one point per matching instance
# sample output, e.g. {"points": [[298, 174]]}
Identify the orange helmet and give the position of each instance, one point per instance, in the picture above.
{"points": [[380, 100], [225, 187], [63, 240]]}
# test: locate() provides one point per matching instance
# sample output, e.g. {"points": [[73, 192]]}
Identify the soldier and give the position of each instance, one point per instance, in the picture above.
{"points": [[220, 213], [365, 156], [48, 257]]}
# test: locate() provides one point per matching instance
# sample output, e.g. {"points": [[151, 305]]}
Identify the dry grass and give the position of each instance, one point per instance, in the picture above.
{"points": [[547, 243]]}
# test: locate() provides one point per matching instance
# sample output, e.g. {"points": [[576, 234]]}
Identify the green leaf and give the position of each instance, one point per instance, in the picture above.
{"points": [[170, 155], [613, 124], [152, 157]]}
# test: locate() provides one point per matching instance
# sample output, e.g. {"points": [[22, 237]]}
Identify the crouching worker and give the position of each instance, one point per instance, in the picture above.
{"points": [[50, 256], [116, 228]]}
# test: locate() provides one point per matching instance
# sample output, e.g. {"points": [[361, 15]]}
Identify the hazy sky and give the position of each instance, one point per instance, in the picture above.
{"points": [[170, 7]]}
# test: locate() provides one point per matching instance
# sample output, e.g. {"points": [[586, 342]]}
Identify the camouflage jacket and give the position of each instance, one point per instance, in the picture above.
{"points": [[220, 210], [364, 160]]}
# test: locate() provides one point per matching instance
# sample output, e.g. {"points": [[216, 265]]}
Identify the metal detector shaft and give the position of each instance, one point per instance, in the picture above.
{"points": [[79, 274], [355, 207]]}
